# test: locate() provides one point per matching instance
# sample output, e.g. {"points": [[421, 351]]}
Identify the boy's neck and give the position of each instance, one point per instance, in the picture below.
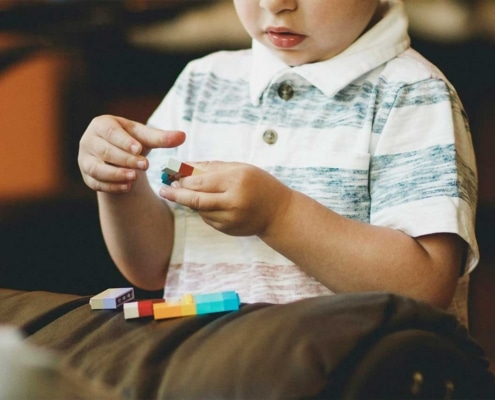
{"points": [[380, 12]]}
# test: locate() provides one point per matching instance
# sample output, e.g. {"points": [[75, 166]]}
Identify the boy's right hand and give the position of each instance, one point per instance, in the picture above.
{"points": [[113, 149]]}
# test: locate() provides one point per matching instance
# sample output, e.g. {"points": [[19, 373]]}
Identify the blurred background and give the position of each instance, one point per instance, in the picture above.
{"points": [[62, 62]]}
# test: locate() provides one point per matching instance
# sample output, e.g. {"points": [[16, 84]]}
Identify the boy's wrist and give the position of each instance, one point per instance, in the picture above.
{"points": [[280, 220]]}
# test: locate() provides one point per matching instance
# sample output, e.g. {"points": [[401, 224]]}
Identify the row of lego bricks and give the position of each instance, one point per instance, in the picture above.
{"points": [[180, 307], [187, 305]]}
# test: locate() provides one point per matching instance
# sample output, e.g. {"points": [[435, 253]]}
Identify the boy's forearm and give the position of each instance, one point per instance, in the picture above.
{"points": [[347, 255], [138, 231]]}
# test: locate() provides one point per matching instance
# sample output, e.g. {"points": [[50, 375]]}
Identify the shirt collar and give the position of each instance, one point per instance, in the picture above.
{"points": [[384, 41]]}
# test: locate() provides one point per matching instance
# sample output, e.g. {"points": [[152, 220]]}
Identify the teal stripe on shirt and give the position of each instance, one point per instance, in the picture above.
{"points": [[342, 190], [432, 172], [395, 95], [211, 99], [225, 102]]}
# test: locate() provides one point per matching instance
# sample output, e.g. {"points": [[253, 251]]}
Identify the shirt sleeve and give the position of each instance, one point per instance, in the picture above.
{"points": [[423, 177]]}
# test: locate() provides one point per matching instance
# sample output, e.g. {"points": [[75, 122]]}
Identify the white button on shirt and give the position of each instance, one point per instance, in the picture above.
{"points": [[285, 91], [270, 136]]}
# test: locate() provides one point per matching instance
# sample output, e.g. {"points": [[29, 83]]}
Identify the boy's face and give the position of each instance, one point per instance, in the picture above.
{"points": [[305, 31]]}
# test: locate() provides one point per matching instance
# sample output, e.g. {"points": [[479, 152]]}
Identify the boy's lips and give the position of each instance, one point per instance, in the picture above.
{"points": [[284, 38]]}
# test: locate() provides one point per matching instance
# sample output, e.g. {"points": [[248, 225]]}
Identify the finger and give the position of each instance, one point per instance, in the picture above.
{"points": [[210, 166], [199, 201], [112, 131], [214, 181], [106, 172], [107, 187], [151, 137], [114, 155]]}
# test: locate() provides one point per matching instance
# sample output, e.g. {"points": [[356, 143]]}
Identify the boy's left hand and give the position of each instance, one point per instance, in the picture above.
{"points": [[235, 198]]}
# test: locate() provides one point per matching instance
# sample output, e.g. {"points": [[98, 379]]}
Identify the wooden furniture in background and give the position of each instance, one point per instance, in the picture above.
{"points": [[31, 92]]}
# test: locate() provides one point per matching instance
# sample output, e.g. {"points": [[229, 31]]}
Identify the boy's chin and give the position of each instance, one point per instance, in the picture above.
{"points": [[290, 59], [293, 58]]}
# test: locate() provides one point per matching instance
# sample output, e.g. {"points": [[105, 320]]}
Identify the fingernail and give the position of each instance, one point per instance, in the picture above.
{"points": [[135, 149], [130, 175], [164, 191], [141, 164], [175, 184]]}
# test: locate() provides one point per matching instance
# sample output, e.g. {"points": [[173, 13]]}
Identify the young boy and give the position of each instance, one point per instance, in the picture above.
{"points": [[334, 157]]}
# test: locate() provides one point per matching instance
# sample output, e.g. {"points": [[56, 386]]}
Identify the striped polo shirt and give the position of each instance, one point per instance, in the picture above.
{"points": [[376, 134]]}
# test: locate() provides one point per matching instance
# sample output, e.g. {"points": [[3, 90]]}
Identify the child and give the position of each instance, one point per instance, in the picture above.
{"points": [[335, 159]]}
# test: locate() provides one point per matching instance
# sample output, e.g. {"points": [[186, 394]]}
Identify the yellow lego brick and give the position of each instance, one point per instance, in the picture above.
{"points": [[169, 309], [188, 305]]}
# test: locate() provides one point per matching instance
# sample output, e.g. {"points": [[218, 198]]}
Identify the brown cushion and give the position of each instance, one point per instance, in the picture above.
{"points": [[306, 349]]}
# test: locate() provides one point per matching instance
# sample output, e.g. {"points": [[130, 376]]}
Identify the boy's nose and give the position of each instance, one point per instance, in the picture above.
{"points": [[277, 6]]}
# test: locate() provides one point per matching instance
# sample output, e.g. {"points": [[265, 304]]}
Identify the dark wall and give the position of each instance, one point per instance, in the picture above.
{"points": [[56, 245]]}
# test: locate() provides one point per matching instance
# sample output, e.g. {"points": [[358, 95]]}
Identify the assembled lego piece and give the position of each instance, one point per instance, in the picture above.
{"points": [[111, 298], [174, 170], [197, 305], [141, 308]]}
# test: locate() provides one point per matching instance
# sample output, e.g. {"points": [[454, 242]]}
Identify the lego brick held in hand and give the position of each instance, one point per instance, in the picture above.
{"points": [[173, 170]]}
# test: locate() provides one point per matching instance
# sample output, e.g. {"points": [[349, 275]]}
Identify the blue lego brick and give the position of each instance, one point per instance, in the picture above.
{"points": [[166, 179], [231, 300], [209, 303], [217, 302]]}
